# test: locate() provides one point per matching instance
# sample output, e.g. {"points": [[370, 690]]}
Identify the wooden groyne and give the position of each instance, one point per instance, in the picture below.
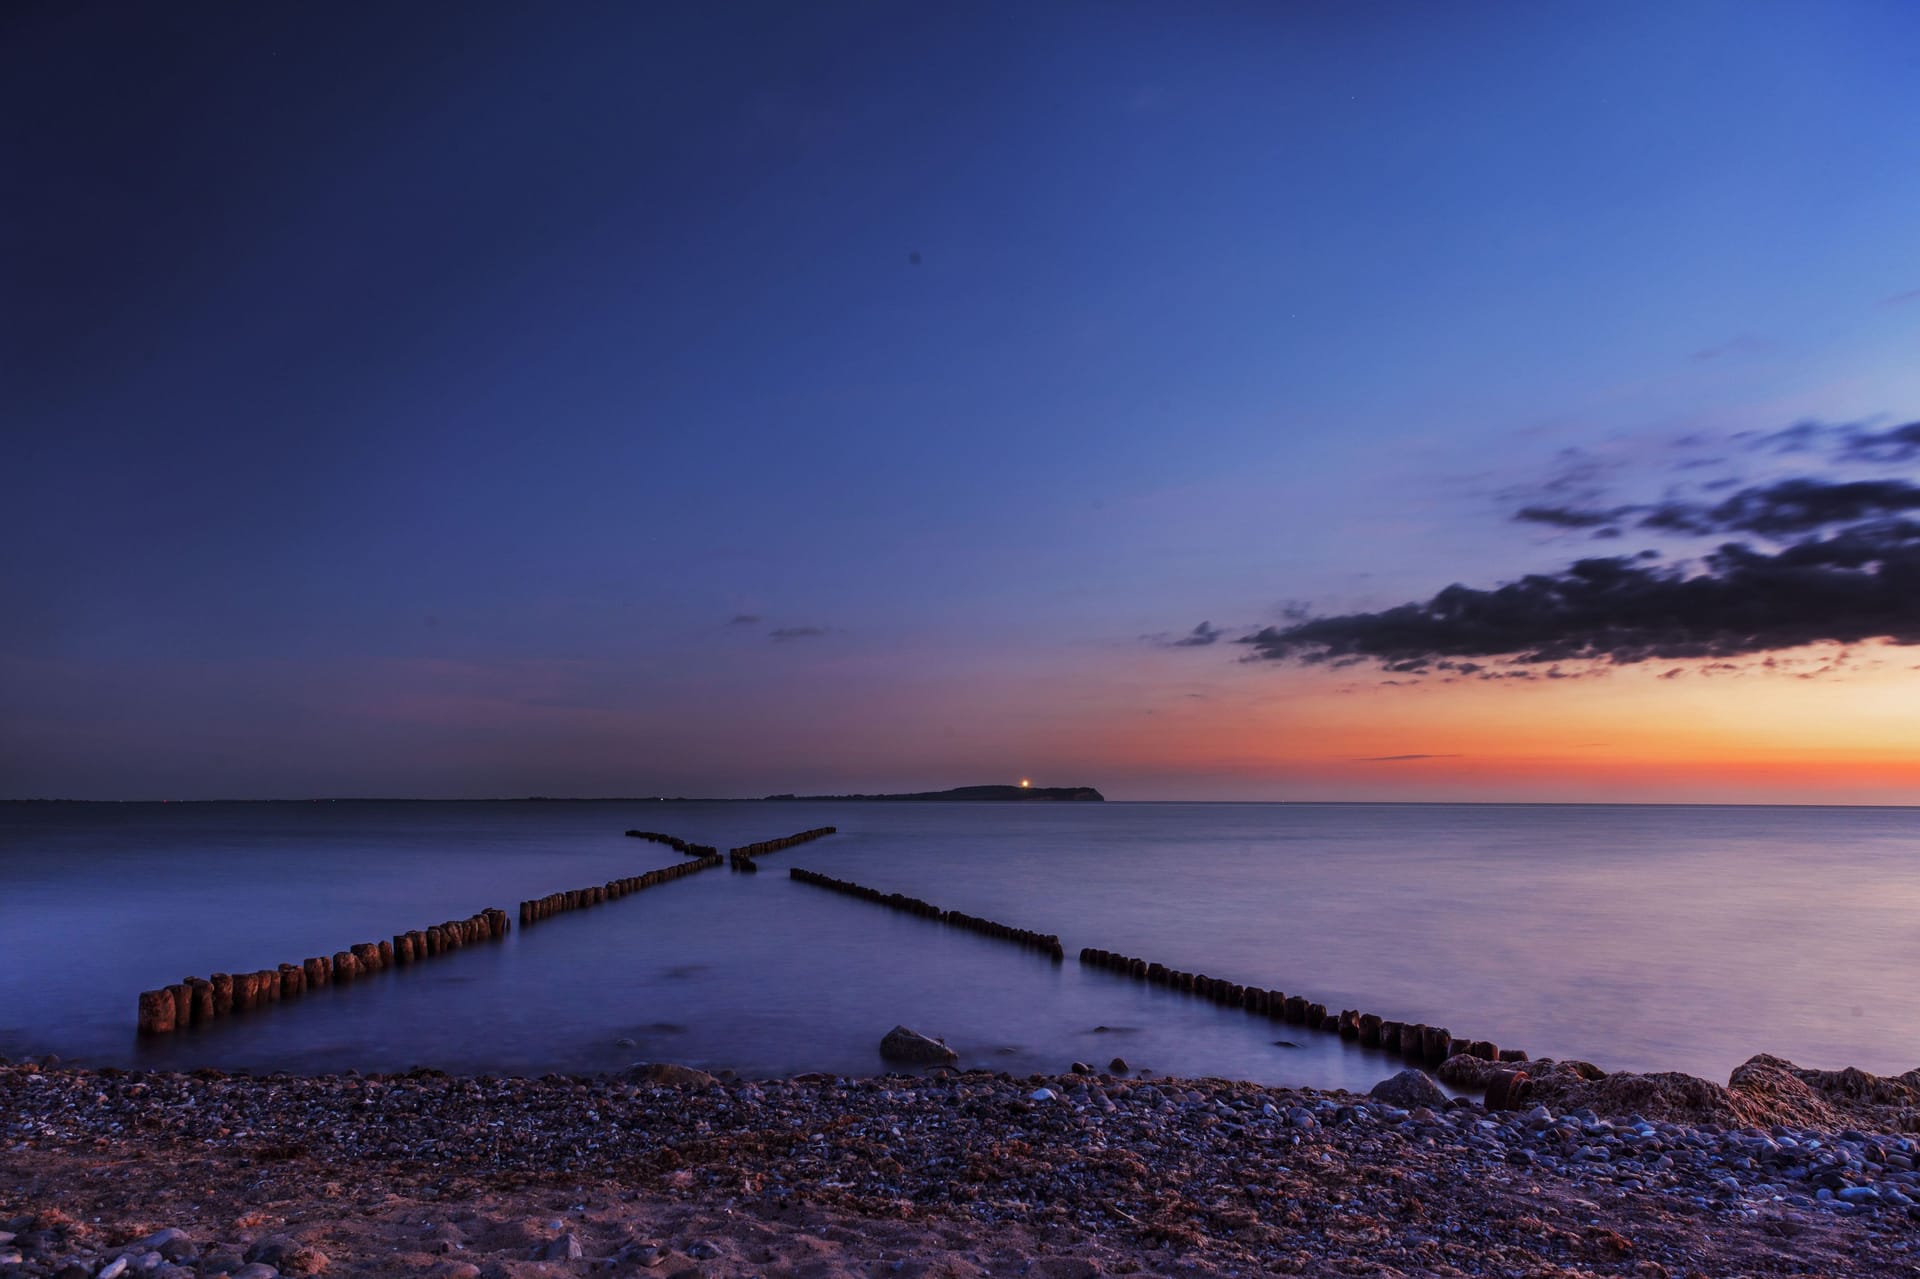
{"points": [[196, 1001], [1046, 943], [674, 842], [742, 858], [1418, 1042], [532, 912]]}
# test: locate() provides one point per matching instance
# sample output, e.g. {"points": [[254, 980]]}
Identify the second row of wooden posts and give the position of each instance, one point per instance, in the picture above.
{"points": [[1418, 1042], [1046, 943], [197, 1001], [613, 890], [742, 858]]}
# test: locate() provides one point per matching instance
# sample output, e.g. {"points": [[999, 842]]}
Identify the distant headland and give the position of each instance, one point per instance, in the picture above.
{"points": [[1073, 794]]}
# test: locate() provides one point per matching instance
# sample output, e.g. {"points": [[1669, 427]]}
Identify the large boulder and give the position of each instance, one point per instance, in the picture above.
{"points": [[1409, 1089], [912, 1048], [668, 1075]]}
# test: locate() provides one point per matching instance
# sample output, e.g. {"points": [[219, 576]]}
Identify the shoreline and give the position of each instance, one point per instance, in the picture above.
{"points": [[959, 1174]]}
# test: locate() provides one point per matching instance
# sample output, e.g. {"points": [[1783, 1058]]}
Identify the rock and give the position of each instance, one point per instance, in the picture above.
{"points": [[1761, 1094], [169, 1243], [288, 1256], [1042, 1094], [703, 1250], [1082, 1068], [1118, 1066], [565, 1248], [113, 1269], [454, 1270], [903, 1045], [1467, 1072], [1409, 1089], [668, 1075]]}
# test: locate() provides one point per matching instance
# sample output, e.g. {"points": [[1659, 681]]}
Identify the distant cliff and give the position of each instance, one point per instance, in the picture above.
{"points": [[1073, 794]]}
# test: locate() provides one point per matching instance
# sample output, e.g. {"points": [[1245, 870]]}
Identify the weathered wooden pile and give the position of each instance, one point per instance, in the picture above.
{"points": [[197, 1001], [674, 842], [1047, 943], [1418, 1042], [552, 904], [742, 858]]}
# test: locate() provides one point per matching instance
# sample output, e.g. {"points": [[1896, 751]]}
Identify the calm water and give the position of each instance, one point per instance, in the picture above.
{"points": [[1651, 938]]}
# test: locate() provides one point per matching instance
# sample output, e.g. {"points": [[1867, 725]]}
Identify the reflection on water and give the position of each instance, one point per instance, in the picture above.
{"points": [[1668, 938]]}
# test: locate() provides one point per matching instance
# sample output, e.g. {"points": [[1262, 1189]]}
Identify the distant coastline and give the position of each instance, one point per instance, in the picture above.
{"points": [[973, 794]]}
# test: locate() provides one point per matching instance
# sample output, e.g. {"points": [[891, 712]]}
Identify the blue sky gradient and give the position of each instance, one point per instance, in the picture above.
{"points": [[404, 401]]}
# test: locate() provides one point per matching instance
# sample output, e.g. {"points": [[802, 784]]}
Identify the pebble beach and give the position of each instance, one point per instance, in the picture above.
{"points": [[669, 1171]]}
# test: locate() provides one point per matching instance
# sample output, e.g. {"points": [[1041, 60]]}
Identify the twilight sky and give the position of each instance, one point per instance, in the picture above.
{"points": [[623, 399]]}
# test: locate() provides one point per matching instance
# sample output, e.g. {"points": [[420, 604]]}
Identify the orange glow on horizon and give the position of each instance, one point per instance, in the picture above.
{"points": [[1628, 734]]}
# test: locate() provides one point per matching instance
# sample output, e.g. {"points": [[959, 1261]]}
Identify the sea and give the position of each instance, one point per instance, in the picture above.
{"points": [[1637, 937]]}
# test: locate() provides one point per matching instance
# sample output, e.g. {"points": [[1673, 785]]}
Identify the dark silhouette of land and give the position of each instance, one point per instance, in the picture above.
{"points": [[1075, 794]]}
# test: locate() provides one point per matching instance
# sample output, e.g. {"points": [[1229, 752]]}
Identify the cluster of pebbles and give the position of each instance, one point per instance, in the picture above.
{"points": [[1240, 1177]]}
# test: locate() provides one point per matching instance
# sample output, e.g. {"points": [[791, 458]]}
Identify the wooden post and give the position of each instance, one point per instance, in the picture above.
{"points": [[156, 1011]]}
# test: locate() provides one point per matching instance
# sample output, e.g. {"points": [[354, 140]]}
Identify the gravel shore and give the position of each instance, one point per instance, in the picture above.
{"points": [[672, 1173]]}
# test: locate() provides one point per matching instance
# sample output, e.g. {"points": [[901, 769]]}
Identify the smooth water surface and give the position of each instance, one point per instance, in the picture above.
{"points": [[1638, 937]]}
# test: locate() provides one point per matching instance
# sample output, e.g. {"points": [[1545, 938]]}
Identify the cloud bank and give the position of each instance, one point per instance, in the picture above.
{"points": [[1811, 559]]}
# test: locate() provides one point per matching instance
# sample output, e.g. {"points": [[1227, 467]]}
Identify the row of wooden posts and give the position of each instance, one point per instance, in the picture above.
{"points": [[742, 858], [674, 842], [552, 904], [1046, 943], [1418, 1042], [200, 1000]]}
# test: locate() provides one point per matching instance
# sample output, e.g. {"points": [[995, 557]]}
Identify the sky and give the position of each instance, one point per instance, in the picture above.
{"points": [[1309, 402]]}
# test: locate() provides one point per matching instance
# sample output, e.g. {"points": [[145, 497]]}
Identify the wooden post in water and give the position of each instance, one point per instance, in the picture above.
{"points": [[156, 1011]]}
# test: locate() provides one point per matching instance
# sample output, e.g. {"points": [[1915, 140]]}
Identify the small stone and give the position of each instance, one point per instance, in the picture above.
{"points": [[256, 1270], [668, 1075], [302, 1260], [454, 1270], [1042, 1094], [165, 1242], [113, 1269], [703, 1250], [565, 1248]]}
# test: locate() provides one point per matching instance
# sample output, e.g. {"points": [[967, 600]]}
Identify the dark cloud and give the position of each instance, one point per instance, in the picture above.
{"points": [[1199, 637], [1847, 442], [1776, 510], [1855, 585], [1825, 558], [786, 634], [1900, 444], [1803, 505], [1395, 759], [1567, 516], [744, 619], [1911, 295]]}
